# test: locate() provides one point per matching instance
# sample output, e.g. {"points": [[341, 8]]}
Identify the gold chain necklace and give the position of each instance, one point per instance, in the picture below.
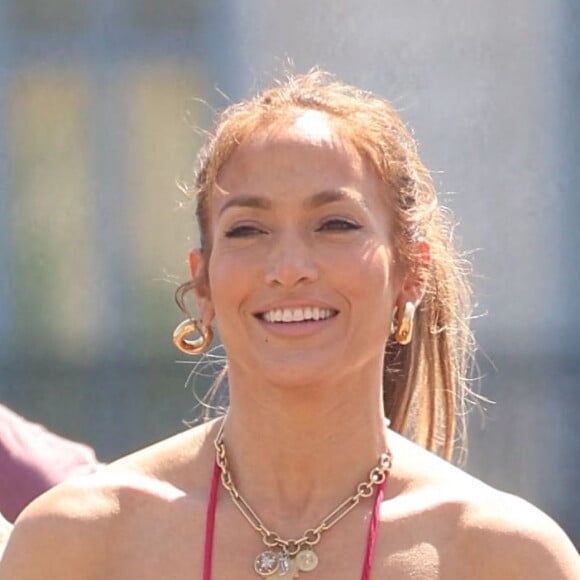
{"points": [[287, 557]]}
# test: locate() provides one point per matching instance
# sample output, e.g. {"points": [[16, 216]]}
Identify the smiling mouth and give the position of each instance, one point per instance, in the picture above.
{"points": [[290, 315]]}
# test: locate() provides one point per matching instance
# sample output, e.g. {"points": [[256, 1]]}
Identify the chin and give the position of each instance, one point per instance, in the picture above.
{"points": [[296, 370]]}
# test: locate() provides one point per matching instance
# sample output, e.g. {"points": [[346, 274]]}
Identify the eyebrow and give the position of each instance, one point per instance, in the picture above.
{"points": [[333, 195], [317, 200], [253, 201]]}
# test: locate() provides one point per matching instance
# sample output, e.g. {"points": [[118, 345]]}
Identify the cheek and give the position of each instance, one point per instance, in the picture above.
{"points": [[372, 285], [228, 279], [374, 269]]}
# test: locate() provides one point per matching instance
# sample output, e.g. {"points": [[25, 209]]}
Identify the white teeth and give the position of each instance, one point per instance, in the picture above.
{"points": [[297, 314]]}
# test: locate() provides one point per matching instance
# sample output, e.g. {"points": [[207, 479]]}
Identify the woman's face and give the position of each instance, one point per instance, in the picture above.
{"points": [[301, 277]]}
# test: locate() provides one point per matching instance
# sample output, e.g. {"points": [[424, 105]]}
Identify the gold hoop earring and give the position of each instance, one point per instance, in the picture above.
{"points": [[192, 347], [404, 326]]}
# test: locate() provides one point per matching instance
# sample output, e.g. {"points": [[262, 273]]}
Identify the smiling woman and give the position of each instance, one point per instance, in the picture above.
{"points": [[326, 262], [364, 138]]}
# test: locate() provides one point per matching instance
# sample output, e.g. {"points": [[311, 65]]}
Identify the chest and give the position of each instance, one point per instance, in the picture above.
{"points": [[170, 544]]}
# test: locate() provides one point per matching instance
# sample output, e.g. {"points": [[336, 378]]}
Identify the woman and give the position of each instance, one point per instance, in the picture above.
{"points": [[326, 263]]}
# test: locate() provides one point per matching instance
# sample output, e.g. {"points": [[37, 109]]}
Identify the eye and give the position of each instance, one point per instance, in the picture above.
{"points": [[338, 225], [243, 231]]}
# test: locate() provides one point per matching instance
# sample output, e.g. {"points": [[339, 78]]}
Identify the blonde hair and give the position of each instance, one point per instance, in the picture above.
{"points": [[424, 383]]}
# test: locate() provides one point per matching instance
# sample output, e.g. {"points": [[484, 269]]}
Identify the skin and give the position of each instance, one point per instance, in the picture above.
{"points": [[305, 423]]}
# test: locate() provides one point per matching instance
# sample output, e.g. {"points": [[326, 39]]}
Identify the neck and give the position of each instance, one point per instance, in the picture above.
{"points": [[297, 452]]}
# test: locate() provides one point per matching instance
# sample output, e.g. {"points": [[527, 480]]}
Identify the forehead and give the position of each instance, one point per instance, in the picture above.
{"points": [[307, 147], [314, 126], [309, 128]]}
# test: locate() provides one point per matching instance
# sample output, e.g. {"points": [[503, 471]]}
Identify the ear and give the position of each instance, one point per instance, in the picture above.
{"points": [[415, 280], [203, 301]]}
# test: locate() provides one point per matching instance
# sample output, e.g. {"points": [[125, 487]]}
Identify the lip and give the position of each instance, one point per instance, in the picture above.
{"points": [[296, 329]]}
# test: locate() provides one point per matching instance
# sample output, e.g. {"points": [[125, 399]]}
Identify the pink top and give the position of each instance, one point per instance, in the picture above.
{"points": [[210, 525]]}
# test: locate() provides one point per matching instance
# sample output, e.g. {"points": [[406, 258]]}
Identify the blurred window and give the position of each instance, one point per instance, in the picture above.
{"points": [[47, 126]]}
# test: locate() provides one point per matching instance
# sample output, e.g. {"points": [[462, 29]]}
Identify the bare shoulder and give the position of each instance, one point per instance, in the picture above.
{"points": [[72, 529], [514, 539], [66, 530], [482, 532]]}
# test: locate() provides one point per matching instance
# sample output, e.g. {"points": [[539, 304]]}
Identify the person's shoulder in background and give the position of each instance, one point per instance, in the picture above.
{"points": [[33, 459]]}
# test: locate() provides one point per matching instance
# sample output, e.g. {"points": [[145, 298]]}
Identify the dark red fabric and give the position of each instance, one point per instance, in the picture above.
{"points": [[210, 524], [372, 535], [33, 459]]}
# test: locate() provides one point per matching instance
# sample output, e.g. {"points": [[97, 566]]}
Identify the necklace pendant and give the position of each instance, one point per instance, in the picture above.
{"points": [[287, 567], [267, 563], [283, 564], [306, 560]]}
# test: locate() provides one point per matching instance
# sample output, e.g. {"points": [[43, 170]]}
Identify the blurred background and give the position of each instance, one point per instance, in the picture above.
{"points": [[99, 104]]}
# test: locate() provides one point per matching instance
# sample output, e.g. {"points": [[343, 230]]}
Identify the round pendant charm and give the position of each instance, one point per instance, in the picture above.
{"points": [[266, 563], [306, 560]]}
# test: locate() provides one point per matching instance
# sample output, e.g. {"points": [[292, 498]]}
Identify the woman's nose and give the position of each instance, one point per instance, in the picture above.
{"points": [[291, 263]]}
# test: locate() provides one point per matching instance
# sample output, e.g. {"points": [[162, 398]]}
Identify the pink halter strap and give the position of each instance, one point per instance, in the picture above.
{"points": [[210, 523], [372, 533], [210, 526]]}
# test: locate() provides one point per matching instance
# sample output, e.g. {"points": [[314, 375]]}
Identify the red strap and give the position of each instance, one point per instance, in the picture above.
{"points": [[372, 535], [210, 523]]}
